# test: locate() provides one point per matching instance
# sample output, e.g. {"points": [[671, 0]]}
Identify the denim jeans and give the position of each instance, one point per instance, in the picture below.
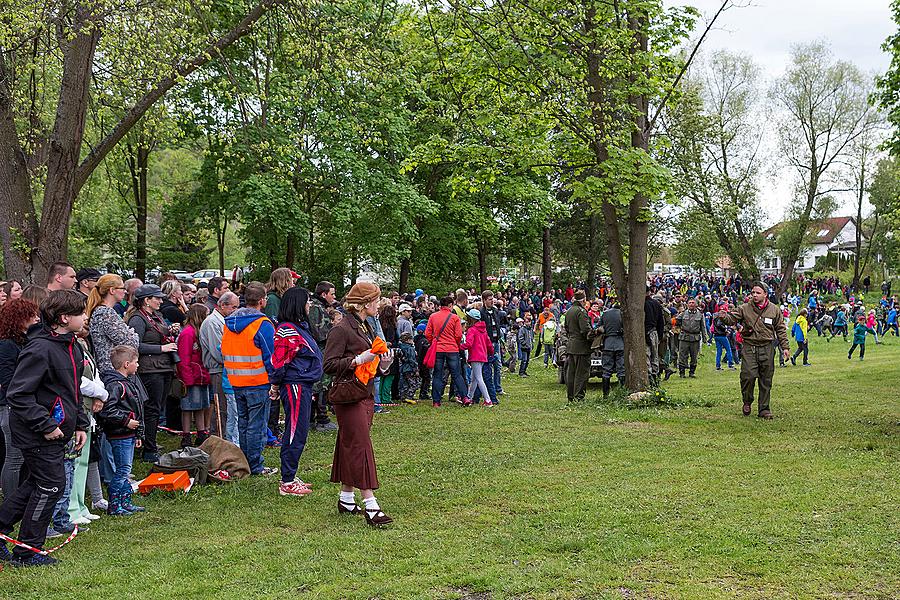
{"points": [[231, 428], [61, 519], [495, 364], [253, 414], [723, 346], [123, 457], [524, 357], [107, 464], [438, 381]]}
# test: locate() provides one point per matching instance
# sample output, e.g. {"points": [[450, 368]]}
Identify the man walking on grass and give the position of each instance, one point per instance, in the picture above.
{"points": [[763, 325]]}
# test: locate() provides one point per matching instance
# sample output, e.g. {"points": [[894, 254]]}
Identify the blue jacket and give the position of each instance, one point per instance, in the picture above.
{"points": [[297, 358]]}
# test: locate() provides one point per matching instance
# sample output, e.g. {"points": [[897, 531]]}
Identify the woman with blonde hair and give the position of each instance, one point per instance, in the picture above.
{"points": [[106, 327], [349, 346], [280, 281]]}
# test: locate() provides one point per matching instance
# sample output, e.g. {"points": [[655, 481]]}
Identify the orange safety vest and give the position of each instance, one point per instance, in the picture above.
{"points": [[243, 360]]}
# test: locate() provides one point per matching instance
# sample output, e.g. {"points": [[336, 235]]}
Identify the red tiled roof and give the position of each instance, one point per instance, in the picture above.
{"points": [[822, 231]]}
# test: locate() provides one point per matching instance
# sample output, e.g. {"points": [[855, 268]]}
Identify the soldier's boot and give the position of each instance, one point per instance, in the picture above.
{"points": [[681, 373], [606, 388]]}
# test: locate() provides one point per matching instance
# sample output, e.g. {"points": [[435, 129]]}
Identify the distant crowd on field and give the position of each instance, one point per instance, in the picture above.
{"points": [[92, 367]]}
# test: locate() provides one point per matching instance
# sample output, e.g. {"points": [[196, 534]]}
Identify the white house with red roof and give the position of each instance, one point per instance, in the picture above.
{"points": [[823, 237]]}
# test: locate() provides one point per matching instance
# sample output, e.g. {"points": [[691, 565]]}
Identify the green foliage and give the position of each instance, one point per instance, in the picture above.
{"points": [[696, 243], [888, 94]]}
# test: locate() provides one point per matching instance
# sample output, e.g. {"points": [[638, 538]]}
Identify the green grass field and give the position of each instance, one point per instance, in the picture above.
{"points": [[537, 499]]}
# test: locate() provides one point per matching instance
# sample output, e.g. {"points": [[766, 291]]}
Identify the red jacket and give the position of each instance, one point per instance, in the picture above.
{"points": [[452, 335], [477, 343], [190, 368]]}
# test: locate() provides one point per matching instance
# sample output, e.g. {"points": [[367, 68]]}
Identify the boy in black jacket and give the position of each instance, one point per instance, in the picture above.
{"points": [[45, 412], [122, 420]]}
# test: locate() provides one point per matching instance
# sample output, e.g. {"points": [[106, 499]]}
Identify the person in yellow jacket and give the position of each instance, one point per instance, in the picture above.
{"points": [[800, 330], [248, 342]]}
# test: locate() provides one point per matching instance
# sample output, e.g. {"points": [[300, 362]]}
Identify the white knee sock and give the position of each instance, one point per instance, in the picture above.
{"points": [[348, 498], [371, 504]]}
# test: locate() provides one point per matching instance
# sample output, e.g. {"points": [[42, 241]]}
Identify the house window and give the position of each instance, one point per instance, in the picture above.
{"points": [[823, 232], [801, 262]]}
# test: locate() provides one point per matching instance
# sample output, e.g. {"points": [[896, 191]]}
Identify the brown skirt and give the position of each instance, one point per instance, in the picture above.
{"points": [[354, 458]]}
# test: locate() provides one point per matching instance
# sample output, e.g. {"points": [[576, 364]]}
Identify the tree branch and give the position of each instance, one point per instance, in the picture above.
{"points": [[134, 114], [685, 67]]}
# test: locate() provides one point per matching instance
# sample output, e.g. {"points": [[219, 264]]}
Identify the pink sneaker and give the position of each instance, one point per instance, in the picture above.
{"points": [[488, 403], [294, 488], [466, 402]]}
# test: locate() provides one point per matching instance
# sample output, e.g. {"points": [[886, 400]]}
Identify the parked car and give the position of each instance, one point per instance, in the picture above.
{"points": [[183, 276], [204, 276]]}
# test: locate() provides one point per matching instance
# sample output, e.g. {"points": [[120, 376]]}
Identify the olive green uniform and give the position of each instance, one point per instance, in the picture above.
{"points": [[762, 328], [578, 351]]}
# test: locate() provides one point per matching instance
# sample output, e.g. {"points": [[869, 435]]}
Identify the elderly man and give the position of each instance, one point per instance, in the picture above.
{"points": [[131, 286], [223, 406]]}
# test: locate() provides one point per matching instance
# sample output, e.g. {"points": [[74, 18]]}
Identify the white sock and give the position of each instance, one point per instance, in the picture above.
{"points": [[348, 498], [371, 504]]}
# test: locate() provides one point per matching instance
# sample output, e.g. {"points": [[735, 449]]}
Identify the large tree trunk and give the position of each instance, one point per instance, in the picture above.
{"points": [[546, 264], [18, 222], [220, 243], [65, 141], [403, 283], [590, 282], [289, 252], [29, 249], [482, 264], [138, 160]]}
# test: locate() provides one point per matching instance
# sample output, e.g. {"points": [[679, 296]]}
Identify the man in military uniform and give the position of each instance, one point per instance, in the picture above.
{"points": [[320, 324], [654, 328], [763, 325], [613, 346], [692, 326], [578, 348]]}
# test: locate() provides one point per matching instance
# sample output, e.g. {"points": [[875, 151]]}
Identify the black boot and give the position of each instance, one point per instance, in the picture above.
{"points": [[606, 388]]}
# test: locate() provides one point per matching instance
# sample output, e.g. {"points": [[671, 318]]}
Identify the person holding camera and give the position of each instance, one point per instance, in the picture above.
{"points": [[158, 354]]}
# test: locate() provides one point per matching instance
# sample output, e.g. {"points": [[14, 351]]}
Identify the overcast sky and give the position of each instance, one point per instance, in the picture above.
{"points": [[767, 29]]}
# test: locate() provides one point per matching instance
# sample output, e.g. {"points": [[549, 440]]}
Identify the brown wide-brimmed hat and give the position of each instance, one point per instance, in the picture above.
{"points": [[363, 293]]}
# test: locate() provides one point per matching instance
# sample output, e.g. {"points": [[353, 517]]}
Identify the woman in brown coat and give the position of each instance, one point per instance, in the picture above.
{"points": [[349, 345]]}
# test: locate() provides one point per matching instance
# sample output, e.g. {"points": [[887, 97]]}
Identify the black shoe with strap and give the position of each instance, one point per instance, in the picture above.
{"points": [[348, 509], [377, 518]]}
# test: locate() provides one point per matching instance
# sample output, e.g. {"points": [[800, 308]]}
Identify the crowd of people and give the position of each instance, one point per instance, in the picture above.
{"points": [[93, 366]]}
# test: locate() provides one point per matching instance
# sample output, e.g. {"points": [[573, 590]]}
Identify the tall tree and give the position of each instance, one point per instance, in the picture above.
{"points": [[888, 95], [67, 36], [714, 131], [823, 109]]}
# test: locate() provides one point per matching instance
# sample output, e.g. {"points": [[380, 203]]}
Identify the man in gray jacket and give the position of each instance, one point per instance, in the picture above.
{"points": [[224, 409], [693, 326]]}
